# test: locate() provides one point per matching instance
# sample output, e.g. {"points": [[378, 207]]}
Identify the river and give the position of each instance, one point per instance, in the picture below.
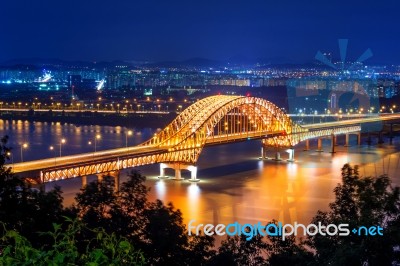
{"points": [[235, 185]]}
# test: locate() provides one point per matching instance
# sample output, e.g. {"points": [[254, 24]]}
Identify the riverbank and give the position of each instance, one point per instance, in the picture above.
{"points": [[140, 120]]}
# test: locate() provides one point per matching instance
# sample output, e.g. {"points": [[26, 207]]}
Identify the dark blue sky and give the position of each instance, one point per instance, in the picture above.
{"points": [[177, 30]]}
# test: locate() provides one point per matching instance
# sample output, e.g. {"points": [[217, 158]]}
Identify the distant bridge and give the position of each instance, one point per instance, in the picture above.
{"points": [[210, 121]]}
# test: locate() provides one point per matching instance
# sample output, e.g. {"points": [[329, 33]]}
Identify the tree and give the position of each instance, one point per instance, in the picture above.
{"points": [[133, 201], [287, 252], [360, 202], [96, 204], [165, 234], [24, 208], [237, 250], [155, 228], [102, 249]]}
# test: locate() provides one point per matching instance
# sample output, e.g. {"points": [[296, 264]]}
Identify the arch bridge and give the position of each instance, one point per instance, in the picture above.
{"points": [[210, 121]]}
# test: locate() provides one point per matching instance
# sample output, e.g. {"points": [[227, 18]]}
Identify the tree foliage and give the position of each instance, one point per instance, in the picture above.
{"points": [[360, 201], [124, 228], [102, 249], [155, 228]]}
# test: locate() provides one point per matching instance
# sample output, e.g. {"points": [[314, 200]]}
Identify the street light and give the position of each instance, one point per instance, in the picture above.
{"points": [[55, 157], [62, 141], [10, 154], [23, 146], [128, 133], [98, 137]]}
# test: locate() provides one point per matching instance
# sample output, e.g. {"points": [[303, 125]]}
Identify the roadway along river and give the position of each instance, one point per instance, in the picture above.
{"points": [[234, 186]]}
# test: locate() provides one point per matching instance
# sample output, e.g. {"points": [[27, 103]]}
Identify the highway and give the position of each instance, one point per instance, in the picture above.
{"points": [[83, 158], [353, 121], [134, 151], [84, 111], [140, 150]]}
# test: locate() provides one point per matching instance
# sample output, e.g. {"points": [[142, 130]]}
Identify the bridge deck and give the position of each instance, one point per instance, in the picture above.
{"points": [[136, 151]]}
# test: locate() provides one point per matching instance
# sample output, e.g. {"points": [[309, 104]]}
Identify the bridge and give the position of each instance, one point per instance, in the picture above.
{"points": [[211, 121]]}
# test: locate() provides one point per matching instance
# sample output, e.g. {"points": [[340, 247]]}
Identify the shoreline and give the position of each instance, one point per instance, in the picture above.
{"points": [[142, 120]]}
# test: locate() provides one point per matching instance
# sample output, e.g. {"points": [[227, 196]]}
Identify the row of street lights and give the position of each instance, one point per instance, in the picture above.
{"points": [[64, 141]]}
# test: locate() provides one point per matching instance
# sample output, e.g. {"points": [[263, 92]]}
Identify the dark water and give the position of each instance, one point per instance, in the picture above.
{"points": [[234, 186]]}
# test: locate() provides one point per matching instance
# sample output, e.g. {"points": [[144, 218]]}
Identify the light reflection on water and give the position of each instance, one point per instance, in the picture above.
{"points": [[238, 187], [235, 185]]}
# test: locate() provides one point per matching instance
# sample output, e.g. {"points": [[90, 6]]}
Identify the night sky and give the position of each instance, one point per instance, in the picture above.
{"points": [[280, 30]]}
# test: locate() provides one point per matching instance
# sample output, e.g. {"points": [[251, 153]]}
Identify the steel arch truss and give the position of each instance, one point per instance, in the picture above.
{"points": [[293, 139], [223, 119], [112, 165], [209, 121]]}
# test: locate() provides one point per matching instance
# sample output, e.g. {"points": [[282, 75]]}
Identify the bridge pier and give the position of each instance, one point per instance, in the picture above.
{"points": [[346, 144], [115, 175], [100, 177], [263, 153], [369, 140], [277, 155], [380, 138], [333, 143], [193, 173], [84, 181], [162, 171], [178, 174], [291, 154], [391, 134], [319, 148], [307, 148]]}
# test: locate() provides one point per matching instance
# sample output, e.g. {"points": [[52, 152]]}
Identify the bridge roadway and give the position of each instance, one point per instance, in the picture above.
{"points": [[386, 117], [84, 159], [120, 153]]}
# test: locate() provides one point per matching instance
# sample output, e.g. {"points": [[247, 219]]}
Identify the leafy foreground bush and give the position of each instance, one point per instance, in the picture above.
{"points": [[102, 249], [124, 228]]}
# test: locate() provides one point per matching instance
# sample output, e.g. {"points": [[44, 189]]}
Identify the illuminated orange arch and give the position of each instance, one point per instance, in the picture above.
{"points": [[195, 125]]}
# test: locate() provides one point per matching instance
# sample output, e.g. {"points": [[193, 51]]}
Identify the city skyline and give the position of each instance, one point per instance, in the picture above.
{"points": [[286, 32]]}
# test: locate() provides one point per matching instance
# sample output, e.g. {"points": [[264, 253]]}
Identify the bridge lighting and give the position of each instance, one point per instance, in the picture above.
{"points": [[98, 137], [9, 154], [128, 133], [23, 146], [62, 141], [55, 157]]}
